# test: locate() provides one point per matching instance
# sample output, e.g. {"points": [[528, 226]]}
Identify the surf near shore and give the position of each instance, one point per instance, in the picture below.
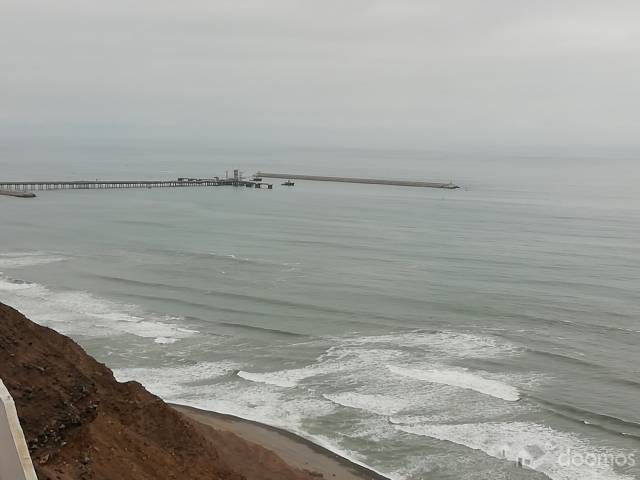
{"points": [[79, 422], [296, 451]]}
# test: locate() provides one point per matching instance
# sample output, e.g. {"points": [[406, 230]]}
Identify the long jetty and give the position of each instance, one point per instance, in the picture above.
{"points": [[14, 188], [374, 181]]}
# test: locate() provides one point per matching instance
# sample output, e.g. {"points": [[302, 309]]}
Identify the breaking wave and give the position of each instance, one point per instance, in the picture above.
{"points": [[79, 313], [27, 259], [461, 379], [542, 445]]}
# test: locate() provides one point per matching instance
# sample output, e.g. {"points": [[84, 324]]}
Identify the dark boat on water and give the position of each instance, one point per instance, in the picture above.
{"points": [[288, 183]]}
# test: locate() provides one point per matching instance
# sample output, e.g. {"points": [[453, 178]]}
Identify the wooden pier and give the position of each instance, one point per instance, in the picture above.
{"points": [[373, 181]]}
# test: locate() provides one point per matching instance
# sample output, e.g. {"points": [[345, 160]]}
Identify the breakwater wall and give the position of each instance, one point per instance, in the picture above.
{"points": [[372, 181]]}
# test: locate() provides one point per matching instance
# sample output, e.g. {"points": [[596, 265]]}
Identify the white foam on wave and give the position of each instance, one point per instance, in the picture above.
{"points": [[335, 360], [165, 340], [445, 404], [374, 403], [287, 378], [448, 343], [202, 386], [27, 259], [461, 378], [547, 448], [82, 313], [284, 379], [10, 285], [172, 382], [347, 374], [262, 403], [375, 428], [352, 456]]}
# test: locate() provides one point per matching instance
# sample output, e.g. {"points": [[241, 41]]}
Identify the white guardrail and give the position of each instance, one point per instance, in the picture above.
{"points": [[15, 462]]}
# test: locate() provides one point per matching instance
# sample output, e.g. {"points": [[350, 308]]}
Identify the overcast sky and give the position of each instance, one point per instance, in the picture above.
{"points": [[357, 72]]}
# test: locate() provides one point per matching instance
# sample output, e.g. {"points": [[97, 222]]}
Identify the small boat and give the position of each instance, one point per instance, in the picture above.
{"points": [[288, 183], [256, 179]]}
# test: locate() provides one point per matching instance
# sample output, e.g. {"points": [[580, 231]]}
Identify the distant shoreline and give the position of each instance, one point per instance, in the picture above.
{"points": [[295, 450], [19, 194]]}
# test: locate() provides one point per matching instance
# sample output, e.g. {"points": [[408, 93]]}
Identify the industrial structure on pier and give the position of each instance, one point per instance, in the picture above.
{"points": [[25, 189]]}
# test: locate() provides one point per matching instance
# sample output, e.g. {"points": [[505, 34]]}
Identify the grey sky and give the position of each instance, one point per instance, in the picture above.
{"points": [[394, 72]]}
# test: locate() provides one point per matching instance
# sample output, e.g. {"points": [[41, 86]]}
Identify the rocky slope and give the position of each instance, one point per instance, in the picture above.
{"points": [[80, 423]]}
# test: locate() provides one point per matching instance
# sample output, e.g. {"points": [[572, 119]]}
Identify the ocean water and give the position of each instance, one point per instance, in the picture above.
{"points": [[423, 333]]}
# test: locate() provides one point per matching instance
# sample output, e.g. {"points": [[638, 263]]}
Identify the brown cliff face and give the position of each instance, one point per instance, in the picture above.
{"points": [[80, 423]]}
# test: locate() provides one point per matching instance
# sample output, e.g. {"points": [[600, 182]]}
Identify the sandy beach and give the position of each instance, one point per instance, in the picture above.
{"points": [[296, 451]]}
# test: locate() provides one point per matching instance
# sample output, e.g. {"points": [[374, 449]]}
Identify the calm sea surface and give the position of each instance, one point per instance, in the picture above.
{"points": [[424, 333]]}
